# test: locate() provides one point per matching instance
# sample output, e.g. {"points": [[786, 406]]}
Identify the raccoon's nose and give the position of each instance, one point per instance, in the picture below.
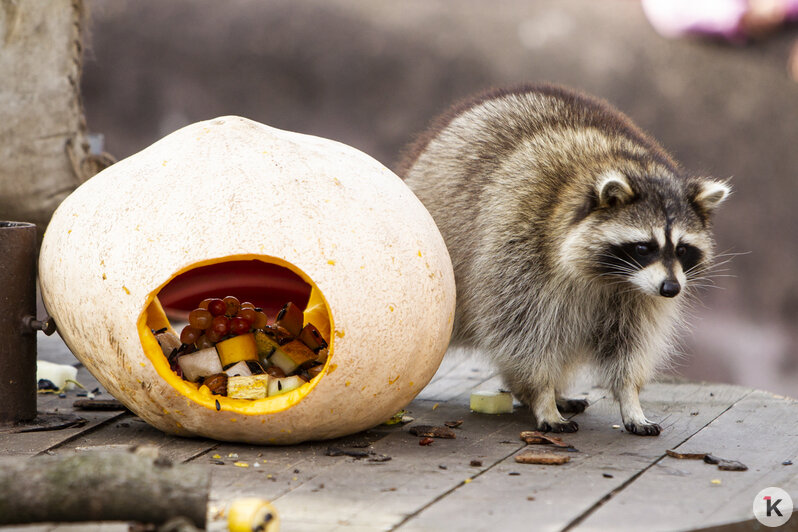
{"points": [[669, 288]]}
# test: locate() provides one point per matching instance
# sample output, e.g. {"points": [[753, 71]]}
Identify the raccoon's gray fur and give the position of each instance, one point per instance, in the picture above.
{"points": [[573, 237]]}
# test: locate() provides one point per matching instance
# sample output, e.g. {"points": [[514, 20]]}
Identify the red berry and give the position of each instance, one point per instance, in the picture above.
{"points": [[217, 307], [204, 303], [189, 334], [239, 325], [200, 318], [220, 325]]}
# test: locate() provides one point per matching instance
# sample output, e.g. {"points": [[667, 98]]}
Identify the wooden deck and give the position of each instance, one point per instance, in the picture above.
{"points": [[616, 481]]}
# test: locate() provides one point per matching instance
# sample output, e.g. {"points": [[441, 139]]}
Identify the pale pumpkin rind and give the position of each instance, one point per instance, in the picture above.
{"points": [[234, 189]]}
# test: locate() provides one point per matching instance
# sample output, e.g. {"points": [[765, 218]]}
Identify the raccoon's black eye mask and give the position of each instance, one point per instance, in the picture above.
{"points": [[626, 258]]}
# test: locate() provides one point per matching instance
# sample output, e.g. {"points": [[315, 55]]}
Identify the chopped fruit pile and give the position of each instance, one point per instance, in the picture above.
{"points": [[231, 348]]}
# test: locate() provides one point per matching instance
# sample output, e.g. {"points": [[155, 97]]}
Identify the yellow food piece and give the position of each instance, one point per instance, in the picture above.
{"points": [[246, 515], [237, 348], [487, 402], [249, 387]]}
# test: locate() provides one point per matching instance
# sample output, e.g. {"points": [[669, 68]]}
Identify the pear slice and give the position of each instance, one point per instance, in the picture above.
{"points": [[200, 364], [291, 356], [284, 385], [239, 369]]}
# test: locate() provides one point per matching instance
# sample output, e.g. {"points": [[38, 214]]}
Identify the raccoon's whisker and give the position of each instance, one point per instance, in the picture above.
{"points": [[634, 264], [625, 265], [615, 270], [732, 253]]}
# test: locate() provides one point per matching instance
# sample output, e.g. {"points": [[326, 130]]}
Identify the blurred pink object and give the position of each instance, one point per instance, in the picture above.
{"points": [[733, 20]]}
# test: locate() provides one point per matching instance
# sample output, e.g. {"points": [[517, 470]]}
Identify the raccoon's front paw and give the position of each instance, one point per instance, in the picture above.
{"points": [[571, 406], [643, 429], [566, 426]]}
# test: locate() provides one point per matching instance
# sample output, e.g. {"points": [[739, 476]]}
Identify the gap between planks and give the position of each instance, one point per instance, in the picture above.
{"points": [[587, 513], [445, 494]]}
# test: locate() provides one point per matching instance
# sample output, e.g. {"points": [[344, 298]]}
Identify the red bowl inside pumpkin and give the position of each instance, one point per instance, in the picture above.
{"points": [[267, 286]]}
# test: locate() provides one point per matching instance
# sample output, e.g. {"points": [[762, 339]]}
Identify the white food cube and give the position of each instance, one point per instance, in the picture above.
{"points": [[491, 402], [239, 369], [58, 374], [279, 386], [283, 361], [200, 364]]}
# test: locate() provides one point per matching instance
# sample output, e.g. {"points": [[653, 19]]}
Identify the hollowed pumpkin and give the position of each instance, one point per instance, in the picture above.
{"points": [[338, 230]]}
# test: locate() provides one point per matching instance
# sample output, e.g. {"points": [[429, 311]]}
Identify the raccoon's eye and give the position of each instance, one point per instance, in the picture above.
{"points": [[681, 249], [643, 249]]}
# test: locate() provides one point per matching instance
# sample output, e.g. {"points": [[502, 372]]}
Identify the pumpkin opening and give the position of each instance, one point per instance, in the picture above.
{"points": [[269, 283]]}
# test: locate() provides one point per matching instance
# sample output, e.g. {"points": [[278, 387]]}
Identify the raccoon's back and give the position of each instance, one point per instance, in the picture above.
{"points": [[493, 170]]}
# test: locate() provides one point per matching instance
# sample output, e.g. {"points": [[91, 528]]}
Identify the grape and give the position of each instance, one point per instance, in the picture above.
{"points": [[248, 314], [239, 325], [247, 304], [217, 307], [212, 336], [220, 325], [189, 334], [204, 303], [203, 342], [200, 318], [233, 304], [261, 320]]}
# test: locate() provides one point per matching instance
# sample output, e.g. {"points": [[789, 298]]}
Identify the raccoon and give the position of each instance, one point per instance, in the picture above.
{"points": [[575, 239]]}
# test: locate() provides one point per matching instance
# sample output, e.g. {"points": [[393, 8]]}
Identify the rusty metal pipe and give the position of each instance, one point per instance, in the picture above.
{"points": [[17, 307]]}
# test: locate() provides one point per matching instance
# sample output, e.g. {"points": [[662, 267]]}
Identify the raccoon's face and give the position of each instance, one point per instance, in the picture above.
{"points": [[651, 234]]}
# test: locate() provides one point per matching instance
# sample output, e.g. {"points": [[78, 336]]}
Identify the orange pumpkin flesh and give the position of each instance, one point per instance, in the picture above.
{"points": [[154, 318]]}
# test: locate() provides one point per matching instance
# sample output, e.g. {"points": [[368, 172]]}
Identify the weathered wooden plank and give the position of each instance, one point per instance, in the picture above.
{"points": [[129, 430], [467, 373], [31, 443], [320, 480], [760, 430], [379, 495], [562, 493], [279, 469], [69, 527]]}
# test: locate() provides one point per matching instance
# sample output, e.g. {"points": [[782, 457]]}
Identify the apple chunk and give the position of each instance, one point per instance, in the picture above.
{"points": [[284, 385], [200, 364], [292, 355]]}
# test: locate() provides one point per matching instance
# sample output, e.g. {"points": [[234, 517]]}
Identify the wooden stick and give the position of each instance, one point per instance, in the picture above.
{"points": [[99, 486]]}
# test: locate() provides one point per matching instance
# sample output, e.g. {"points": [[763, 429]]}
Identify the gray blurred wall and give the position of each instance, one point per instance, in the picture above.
{"points": [[373, 73]]}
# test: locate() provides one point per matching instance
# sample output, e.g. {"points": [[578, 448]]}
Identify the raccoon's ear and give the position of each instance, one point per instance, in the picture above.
{"points": [[708, 194], [613, 189]]}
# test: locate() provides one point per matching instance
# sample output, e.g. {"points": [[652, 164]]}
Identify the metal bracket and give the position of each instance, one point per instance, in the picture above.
{"points": [[30, 325]]}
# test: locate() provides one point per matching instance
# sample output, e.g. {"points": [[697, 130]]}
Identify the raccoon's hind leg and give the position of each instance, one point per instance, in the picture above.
{"points": [[542, 401]]}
